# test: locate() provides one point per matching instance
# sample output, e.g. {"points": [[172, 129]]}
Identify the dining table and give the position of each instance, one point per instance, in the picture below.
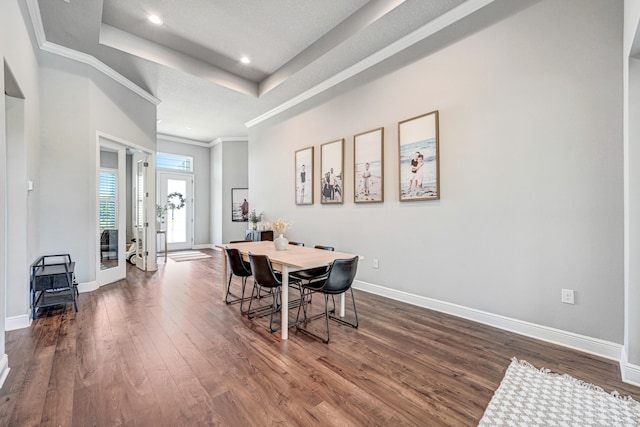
{"points": [[292, 259]]}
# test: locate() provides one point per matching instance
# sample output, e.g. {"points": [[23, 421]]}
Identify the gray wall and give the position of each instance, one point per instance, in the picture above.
{"points": [[17, 52], [531, 171], [78, 102], [631, 81], [229, 166], [216, 196], [202, 183], [234, 173]]}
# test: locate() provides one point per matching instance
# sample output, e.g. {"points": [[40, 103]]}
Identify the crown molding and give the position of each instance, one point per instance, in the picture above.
{"points": [[222, 139], [209, 144], [56, 49], [421, 33]]}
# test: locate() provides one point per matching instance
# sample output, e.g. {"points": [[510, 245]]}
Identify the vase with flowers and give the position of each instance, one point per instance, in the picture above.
{"points": [[254, 218], [279, 227]]}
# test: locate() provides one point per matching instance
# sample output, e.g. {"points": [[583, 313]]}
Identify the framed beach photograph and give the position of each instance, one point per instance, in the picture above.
{"points": [[368, 166], [304, 176], [239, 204], [331, 176], [418, 144]]}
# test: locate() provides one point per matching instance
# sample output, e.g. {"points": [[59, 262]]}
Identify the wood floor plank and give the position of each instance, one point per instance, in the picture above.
{"points": [[161, 349]]}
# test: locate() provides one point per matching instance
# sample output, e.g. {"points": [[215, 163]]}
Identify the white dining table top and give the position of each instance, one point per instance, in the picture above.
{"points": [[295, 257]]}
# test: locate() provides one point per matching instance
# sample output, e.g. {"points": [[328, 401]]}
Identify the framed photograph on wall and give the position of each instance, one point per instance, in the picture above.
{"points": [[239, 204], [304, 176], [331, 174], [418, 144], [368, 166]]}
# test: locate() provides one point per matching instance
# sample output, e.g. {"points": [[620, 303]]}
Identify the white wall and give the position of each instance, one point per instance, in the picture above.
{"points": [[77, 103], [202, 182], [531, 171]]}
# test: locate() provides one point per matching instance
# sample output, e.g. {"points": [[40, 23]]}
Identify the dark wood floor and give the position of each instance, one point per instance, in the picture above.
{"points": [[161, 349]]}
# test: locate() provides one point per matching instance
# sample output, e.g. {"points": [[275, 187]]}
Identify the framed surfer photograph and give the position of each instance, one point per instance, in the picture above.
{"points": [[418, 145], [304, 176], [331, 176], [368, 166], [239, 204]]}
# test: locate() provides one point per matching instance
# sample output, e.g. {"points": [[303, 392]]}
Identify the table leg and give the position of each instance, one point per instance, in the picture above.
{"points": [[284, 312], [342, 299], [225, 275]]}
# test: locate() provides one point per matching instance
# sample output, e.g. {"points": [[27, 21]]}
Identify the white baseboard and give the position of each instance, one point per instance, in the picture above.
{"points": [[630, 372], [87, 286], [4, 368], [17, 322], [583, 343], [204, 246]]}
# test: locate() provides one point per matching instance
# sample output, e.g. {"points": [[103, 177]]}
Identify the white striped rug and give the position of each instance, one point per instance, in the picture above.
{"points": [[187, 256]]}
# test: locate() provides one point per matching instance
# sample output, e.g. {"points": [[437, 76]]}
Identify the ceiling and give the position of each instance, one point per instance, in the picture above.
{"points": [[298, 49]]}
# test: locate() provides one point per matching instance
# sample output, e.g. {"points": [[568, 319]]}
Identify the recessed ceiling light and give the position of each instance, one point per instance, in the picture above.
{"points": [[188, 128], [245, 60], [159, 120], [155, 19]]}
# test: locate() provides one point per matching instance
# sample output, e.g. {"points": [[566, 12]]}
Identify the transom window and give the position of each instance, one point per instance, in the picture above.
{"points": [[174, 162]]}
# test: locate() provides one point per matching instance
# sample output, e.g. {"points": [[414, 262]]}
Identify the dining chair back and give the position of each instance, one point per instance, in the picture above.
{"points": [[296, 243], [240, 268], [265, 277], [315, 272], [339, 280]]}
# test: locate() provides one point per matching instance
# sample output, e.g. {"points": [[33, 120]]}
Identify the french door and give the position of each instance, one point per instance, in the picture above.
{"points": [[141, 215], [175, 201]]}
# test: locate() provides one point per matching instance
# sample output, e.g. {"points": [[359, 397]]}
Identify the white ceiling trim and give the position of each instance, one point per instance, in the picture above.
{"points": [[432, 27], [38, 28], [209, 144], [154, 52], [367, 15]]}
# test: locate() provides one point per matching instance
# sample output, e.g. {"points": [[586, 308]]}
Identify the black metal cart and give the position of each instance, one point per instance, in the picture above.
{"points": [[53, 282]]}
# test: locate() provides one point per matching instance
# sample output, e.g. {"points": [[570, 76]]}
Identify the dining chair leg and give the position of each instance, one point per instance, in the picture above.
{"points": [[238, 299], [307, 319], [355, 312], [274, 308]]}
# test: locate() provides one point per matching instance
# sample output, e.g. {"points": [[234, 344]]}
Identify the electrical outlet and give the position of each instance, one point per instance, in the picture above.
{"points": [[568, 296], [375, 263]]}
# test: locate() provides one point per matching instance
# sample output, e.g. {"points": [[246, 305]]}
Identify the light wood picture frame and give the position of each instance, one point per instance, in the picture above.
{"points": [[419, 158], [304, 176], [331, 172], [368, 166]]}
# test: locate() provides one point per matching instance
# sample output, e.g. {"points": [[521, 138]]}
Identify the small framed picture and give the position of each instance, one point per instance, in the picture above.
{"points": [[239, 204], [331, 176], [418, 144], [304, 176], [368, 166]]}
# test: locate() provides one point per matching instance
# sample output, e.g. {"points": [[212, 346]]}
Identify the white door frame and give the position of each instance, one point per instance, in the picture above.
{"points": [[189, 205], [121, 145]]}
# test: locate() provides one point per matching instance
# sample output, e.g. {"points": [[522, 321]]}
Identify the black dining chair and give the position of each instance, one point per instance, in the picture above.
{"points": [[296, 243], [239, 268], [265, 277], [339, 280], [313, 273]]}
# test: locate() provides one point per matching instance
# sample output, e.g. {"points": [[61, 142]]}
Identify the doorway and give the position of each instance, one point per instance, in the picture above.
{"points": [[175, 209], [122, 209]]}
